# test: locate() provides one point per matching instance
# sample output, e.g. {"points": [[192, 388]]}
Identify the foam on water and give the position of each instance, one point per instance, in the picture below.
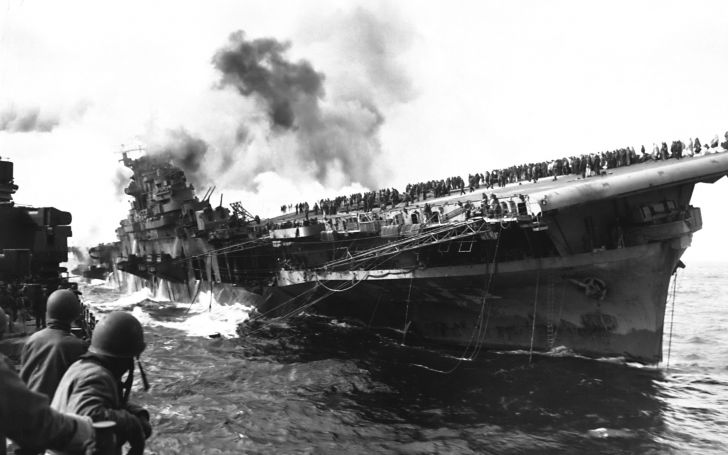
{"points": [[318, 386], [204, 317]]}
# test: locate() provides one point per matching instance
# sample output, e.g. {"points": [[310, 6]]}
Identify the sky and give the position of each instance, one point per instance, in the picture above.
{"points": [[278, 102]]}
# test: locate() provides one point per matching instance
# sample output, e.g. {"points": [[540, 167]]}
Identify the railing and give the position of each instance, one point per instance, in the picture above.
{"points": [[446, 233]]}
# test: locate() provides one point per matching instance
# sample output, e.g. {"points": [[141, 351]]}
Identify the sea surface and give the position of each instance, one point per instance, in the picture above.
{"points": [[317, 386]]}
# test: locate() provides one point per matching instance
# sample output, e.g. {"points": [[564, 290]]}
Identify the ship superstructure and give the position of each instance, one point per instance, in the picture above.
{"points": [[33, 245], [579, 262], [171, 234], [33, 240]]}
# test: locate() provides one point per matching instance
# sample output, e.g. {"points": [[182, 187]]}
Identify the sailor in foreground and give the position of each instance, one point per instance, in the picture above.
{"points": [[28, 420], [92, 386], [49, 352]]}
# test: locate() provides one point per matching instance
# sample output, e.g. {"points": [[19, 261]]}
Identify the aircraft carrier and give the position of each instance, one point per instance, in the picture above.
{"points": [[571, 261]]}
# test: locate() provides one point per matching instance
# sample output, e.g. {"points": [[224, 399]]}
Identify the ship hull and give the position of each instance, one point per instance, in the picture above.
{"points": [[606, 303]]}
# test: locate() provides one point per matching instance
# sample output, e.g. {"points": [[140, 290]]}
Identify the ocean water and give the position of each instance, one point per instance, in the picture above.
{"points": [[316, 386]]}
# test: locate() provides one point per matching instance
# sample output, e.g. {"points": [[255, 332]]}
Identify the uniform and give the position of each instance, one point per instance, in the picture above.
{"points": [[92, 386], [26, 418], [89, 388], [46, 356]]}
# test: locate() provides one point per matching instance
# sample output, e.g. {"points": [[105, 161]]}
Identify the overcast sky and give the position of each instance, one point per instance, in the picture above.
{"points": [[404, 92]]}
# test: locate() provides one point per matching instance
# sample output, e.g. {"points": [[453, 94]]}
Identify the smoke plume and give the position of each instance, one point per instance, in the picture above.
{"points": [[335, 141], [259, 68], [184, 151], [271, 114], [27, 120], [120, 181]]}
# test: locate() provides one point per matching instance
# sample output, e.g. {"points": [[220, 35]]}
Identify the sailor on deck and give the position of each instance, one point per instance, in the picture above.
{"points": [[49, 352], [92, 386], [495, 207], [28, 420]]}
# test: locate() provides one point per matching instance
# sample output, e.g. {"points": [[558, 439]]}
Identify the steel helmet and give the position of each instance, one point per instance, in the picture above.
{"points": [[119, 334], [63, 305]]}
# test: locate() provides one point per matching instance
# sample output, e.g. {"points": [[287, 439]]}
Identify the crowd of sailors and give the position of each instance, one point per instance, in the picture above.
{"points": [[583, 166]]}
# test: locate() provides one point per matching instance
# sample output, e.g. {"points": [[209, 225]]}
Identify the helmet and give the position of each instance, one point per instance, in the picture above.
{"points": [[63, 305], [119, 334]]}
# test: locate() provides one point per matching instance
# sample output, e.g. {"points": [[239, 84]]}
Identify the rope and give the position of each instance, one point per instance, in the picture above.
{"points": [[374, 311], [481, 341], [353, 280], [482, 329], [672, 320], [286, 302], [197, 292], [406, 314], [533, 327], [318, 283]]}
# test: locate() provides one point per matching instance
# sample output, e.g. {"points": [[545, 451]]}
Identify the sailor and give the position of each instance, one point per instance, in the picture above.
{"points": [[27, 420], [48, 353], [92, 386], [40, 307], [715, 142], [495, 207], [655, 152], [7, 303], [663, 151]]}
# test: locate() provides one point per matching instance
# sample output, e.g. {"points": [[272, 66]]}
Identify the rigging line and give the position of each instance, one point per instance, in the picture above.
{"points": [[227, 249], [481, 342], [285, 302], [533, 327], [406, 314], [482, 328], [561, 310], [307, 305], [372, 266], [302, 307], [197, 292], [672, 320], [353, 280], [287, 315]]}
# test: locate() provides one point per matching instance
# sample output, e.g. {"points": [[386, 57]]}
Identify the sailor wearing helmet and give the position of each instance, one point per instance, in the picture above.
{"points": [[48, 353], [92, 386]]}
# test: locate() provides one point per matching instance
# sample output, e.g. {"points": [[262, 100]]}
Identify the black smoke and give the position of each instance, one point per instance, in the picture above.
{"points": [[182, 149], [259, 68], [338, 135]]}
